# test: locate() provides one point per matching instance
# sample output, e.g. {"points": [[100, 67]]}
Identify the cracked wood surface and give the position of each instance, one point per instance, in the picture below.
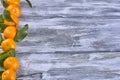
{"points": [[70, 40]]}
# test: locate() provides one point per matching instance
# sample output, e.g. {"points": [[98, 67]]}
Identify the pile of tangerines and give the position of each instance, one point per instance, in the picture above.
{"points": [[9, 35]]}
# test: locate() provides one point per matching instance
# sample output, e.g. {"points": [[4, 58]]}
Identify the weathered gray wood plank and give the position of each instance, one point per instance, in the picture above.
{"points": [[67, 25], [70, 40], [71, 66], [70, 26]]}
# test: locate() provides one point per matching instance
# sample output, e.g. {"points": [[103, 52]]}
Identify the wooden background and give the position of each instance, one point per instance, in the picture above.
{"points": [[70, 40]]}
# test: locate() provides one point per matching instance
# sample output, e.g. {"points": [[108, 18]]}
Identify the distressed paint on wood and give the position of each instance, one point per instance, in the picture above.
{"points": [[72, 25], [71, 66], [70, 40]]}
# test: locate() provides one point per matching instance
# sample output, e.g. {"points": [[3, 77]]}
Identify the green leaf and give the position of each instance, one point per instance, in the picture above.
{"points": [[22, 33], [2, 68], [9, 53], [1, 63], [7, 16], [1, 39], [1, 75], [28, 1], [2, 27], [1, 19], [4, 55], [4, 3]]}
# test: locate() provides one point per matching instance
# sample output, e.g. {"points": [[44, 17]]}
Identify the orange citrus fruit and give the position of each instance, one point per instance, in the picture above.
{"points": [[11, 63], [8, 44], [17, 2], [14, 9], [15, 19], [9, 23], [9, 75], [10, 32]]}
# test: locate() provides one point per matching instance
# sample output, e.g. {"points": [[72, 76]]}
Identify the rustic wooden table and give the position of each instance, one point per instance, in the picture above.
{"points": [[70, 40]]}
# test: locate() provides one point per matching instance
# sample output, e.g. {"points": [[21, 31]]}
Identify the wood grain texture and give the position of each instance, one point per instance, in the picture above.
{"points": [[70, 66], [72, 25], [70, 40]]}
